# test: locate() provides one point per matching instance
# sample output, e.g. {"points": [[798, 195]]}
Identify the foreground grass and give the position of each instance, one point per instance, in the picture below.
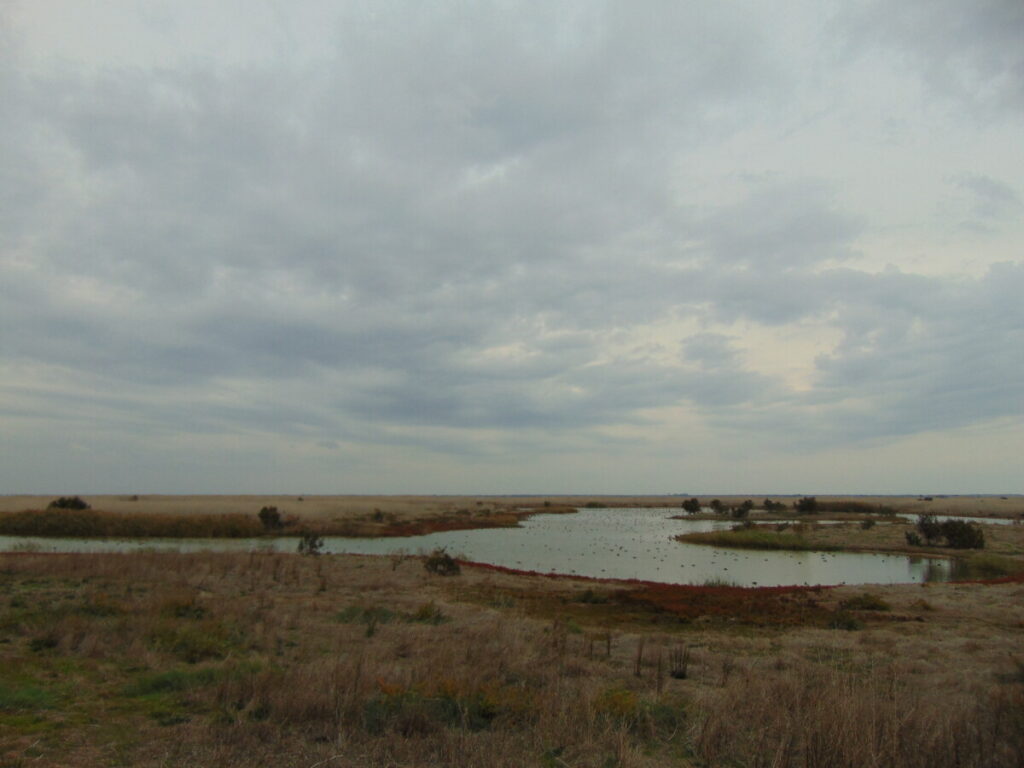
{"points": [[267, 659]]}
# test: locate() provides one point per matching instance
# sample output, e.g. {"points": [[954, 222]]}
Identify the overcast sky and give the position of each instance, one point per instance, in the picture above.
{"points": [[511, 247]]}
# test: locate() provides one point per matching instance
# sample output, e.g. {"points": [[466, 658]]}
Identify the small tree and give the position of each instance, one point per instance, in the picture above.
{"points": [[963, 535], [270, 518], [808, 505], [692, 506], [310, 544], [929, 527], [716, 505]]}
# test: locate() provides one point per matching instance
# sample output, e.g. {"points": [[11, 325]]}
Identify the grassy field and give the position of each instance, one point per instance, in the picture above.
{"points": [[238, 660]]}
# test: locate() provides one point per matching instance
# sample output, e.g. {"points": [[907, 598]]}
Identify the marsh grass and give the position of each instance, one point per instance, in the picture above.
{"points": [[755, 538], [91, 523], [242, 659]]}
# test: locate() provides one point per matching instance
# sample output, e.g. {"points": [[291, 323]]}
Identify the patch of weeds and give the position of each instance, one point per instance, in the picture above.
{"points": [[660, 719], [365, 615], [679, 662], [409, 713], [572, 627], [45, 641], [845, 621], [172, 681], [428, 613], [192, 643], [617, 703], [865, 602], [590, 597], [26, 697], [867, 524], [101, 606], [183, 606]]}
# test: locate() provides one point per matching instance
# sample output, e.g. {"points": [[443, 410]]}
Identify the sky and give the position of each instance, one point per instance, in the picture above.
{"points": [[511, 247]]}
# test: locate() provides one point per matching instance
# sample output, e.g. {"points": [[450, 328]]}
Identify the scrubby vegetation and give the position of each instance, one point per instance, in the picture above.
{"points": [[68, 502], [756, 538], [57, 521], [441, 563], [958, 534], [237, 660]]}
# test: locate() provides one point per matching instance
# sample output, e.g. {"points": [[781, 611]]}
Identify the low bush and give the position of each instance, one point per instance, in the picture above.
{"points": [[808, 505], [271, 518], [310, 544], [68, 502], [441, 563], [865, 602]]}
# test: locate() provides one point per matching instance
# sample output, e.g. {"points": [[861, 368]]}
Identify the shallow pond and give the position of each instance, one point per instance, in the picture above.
{"points": [[604, 543]]}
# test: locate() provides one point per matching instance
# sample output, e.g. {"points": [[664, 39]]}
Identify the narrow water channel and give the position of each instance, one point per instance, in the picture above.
{"points": [[603, 543]]}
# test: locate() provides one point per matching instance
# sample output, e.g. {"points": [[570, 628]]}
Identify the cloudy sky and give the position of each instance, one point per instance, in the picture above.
{"points": [[510, 247]]}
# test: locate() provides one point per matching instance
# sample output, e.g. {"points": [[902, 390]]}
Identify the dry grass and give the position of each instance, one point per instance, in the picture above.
{"points": [[232, 660]]}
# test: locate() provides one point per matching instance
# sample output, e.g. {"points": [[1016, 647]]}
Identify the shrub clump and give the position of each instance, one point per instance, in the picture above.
{"points": [[808, 505], [958, 534], [865, 602], [68, 502], [271, 518], [441, 563], [310, 544]]}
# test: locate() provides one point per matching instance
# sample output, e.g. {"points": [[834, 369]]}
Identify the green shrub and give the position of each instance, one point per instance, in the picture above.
{"points": [[867, 525], [960, 534], [913, 539]]}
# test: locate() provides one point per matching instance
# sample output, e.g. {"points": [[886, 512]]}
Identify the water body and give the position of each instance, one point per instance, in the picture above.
{"points": [[604, 543]]}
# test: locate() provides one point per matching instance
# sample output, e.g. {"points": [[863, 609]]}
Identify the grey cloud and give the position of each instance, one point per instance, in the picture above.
{"points": [[968, 51], [991, 199], [450, 236]]}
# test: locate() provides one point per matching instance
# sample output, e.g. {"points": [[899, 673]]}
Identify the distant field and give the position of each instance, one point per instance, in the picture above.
{"points": [[344, 507]]}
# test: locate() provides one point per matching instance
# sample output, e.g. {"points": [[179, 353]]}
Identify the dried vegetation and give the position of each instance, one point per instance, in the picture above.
{"points": [[268, 659]]}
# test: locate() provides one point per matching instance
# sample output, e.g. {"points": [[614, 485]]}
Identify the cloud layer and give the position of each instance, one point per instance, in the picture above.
{"points": [[364, 251]]}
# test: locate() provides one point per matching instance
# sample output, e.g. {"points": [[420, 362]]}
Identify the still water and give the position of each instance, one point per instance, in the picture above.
{"points": [[604, 543]]}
